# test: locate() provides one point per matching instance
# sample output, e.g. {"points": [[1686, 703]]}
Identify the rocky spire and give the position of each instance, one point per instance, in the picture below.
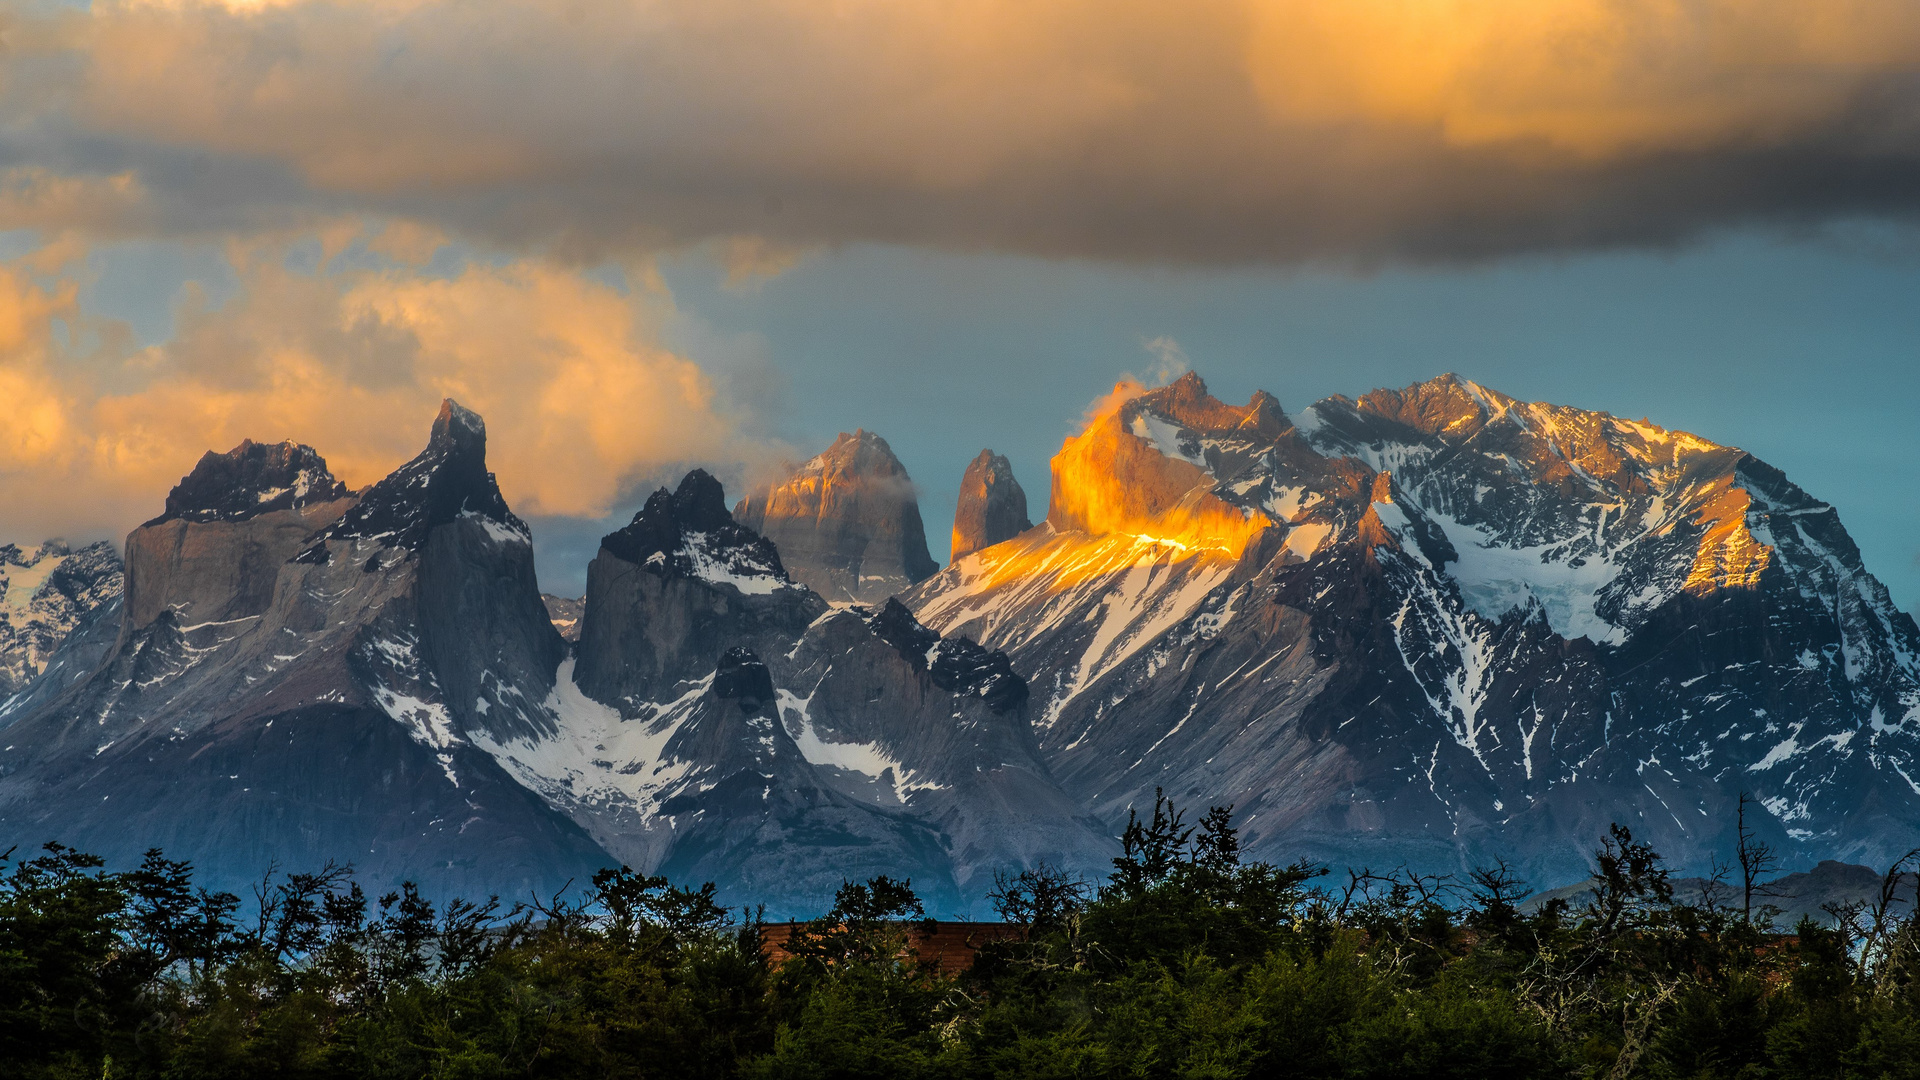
{"points": [[449, 478], [992, 506], [847, 522]]}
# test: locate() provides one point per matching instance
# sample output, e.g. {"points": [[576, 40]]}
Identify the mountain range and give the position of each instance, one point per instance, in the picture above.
{"points": [[1434, 627]]}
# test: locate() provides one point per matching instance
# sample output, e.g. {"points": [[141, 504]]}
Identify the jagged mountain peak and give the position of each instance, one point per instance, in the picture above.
{"points": [[455, 423], [1186, 403], [249, 480], [700, 502], [1538, 442], [1447, 405], [1598, 519], [896, 626], [957, 664], [253, 652], [688, 532], [1502, 614], [447, 480], [565, 614]]}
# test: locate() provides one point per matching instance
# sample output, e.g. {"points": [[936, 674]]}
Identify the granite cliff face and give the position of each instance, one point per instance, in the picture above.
{"points": [[992, 505], [45, 593], [298, 674], [215, 554], [721, 721], [847, 523], [1440, 625]]}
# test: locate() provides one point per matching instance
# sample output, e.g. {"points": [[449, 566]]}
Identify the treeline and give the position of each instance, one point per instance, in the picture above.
{"points": [[1187, 962]]}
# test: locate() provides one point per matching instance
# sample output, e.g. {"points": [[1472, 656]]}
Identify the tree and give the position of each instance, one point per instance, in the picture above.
{"points": [[1758, 863]]}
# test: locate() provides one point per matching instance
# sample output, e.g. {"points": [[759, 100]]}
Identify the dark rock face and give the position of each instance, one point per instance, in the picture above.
{"points": [[947, 742], [342, 710], [249, 480], [847, 523], [992, 506], [723, 722], [956, 665], [1440, 625], [761, 822], [45, 594], [741, 677], [674, 590]]}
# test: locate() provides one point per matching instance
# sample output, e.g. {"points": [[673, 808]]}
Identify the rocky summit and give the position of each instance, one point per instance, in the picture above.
{"points": [[847, 522], [1440, 626], [298, 677], [992, 506], [1434, 626]]}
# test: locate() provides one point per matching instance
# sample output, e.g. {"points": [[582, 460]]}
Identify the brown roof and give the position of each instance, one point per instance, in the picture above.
{"points": [[950, 945]]}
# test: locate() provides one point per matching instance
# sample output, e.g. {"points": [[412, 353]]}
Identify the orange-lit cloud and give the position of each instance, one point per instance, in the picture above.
{"points": [[1600, 78], [578, 398], [1209, 130]]}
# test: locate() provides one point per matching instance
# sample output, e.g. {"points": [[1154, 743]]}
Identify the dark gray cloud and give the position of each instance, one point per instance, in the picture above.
{"points": [[1216, 132]]}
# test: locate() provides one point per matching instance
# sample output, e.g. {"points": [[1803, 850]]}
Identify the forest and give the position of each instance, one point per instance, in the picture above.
{"points": [[1187, 961]]}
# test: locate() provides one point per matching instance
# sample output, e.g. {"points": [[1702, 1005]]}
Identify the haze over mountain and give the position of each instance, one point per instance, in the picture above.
{"points": [[1435, 626]]}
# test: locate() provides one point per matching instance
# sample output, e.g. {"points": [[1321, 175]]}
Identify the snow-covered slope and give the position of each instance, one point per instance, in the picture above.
{"points": [[44, 594], [1442, 625]]}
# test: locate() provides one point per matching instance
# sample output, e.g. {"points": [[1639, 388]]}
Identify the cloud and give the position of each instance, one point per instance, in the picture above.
{"points": [[1170, 361], [1213, 131], [579, 399], [38, 198]]}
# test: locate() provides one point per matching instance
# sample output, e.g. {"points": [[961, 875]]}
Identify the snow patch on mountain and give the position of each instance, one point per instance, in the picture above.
{"points": [[511, 531], [1169, 438], [405, 690], [597, 758], [1496, 579], [722, 563], [868, 759], [44, 593], [1304, 539]]}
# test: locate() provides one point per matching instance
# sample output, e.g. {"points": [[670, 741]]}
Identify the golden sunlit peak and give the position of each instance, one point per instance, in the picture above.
{"points": [[1138, 469]]}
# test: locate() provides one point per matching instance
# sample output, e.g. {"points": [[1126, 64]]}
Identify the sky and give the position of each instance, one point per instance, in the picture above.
{"points": [[645, 235]]}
